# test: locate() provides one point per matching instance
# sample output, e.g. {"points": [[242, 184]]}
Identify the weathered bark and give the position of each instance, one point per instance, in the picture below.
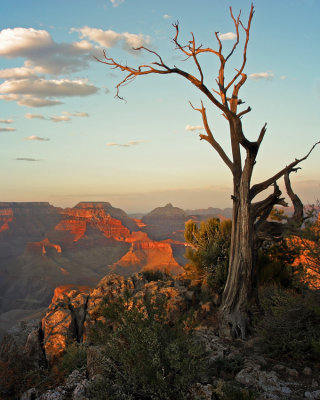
{"points": [[237, 294]]}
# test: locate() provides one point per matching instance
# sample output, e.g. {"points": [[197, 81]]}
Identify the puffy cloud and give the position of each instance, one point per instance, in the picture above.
{"points": [[227, 36], [261, 75], [40, 139], [60, 118], [166, 16], [7, 129], [48, 88], [26, 159], [34, 116], [111, 38], [30, 101], [39, 92], [6, 121], [194, 128], [283, 77], [18, 73], [41, 52], [116, 3], [128, 144]]}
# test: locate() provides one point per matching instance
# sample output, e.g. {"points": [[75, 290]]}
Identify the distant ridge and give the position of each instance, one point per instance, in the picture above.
{"points": [[211, 211]]}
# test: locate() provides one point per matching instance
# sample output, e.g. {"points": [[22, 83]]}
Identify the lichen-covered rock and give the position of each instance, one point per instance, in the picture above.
{"points": [[30, 394], [312, 395], [267, 381]]}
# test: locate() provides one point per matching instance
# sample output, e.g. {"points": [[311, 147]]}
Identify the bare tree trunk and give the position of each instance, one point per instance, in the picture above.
{"points": [[238, 294]]}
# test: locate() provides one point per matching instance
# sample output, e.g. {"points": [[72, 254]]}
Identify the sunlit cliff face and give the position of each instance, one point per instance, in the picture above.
{"points": [[309, 256], [42, 247], [76, 222], [6, 216]]}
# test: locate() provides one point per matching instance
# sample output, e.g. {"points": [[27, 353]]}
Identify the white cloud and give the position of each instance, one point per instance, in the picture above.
{"points": [[48, 88], [116, 3], [283, 77], [39, 92], [7, 129], [227, 36], [166, 16], [26, 159], [60, 118], [261, 75], [6, 121], [76, 114], [194, 128], [128, 144], [111, 38], [18, 73], [34, 116], [41, 52], [30, 101], [40, 139]]}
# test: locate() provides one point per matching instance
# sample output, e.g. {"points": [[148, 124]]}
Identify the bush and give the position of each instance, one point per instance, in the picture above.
{"points": [[294, 320], [209, 255], [156, 275], [275, 265], [232, 391], [146, 357], [75, 358]]}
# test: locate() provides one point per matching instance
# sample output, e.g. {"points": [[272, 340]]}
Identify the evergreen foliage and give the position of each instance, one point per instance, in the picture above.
{"points": [[208, 255], [146, 356]]}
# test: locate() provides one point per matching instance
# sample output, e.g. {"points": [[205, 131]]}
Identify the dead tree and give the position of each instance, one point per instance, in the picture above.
{"points": [[250, 226]]}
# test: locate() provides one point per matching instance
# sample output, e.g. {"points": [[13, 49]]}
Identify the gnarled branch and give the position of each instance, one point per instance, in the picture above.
{"points": [[259, 187]]}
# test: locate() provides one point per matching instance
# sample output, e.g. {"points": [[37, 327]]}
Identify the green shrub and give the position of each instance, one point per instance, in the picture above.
{"points": [[146, 357], [227, 368], [156, 275], [275, 265], [209, 255], [290, 327], [232, 391], [75, 358]]}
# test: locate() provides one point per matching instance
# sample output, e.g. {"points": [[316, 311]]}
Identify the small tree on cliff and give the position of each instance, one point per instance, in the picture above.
{"points": [[250, 226]]}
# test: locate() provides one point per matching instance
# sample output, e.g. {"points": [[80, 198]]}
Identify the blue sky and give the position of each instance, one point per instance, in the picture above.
{"points": [[65, 138]]}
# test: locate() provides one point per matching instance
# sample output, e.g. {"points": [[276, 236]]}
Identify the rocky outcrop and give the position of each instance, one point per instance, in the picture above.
{"points": [[77, 220], [147, 255], [42, 247], [72, 313], [165, 223]]}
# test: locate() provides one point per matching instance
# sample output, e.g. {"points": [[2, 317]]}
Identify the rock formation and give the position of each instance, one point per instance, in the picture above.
{"points": [[165, 223], [72, 312], [43, 247]]}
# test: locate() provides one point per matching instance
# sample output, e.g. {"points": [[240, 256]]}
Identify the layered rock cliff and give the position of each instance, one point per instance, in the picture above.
{"points": [[42, 247]]}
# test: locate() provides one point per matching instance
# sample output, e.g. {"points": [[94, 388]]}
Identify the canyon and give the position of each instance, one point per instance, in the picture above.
{"points": [[43, 247]]}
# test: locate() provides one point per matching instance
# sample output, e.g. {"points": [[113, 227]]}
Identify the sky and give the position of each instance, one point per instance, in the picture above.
{"points": [[65, 138]]}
